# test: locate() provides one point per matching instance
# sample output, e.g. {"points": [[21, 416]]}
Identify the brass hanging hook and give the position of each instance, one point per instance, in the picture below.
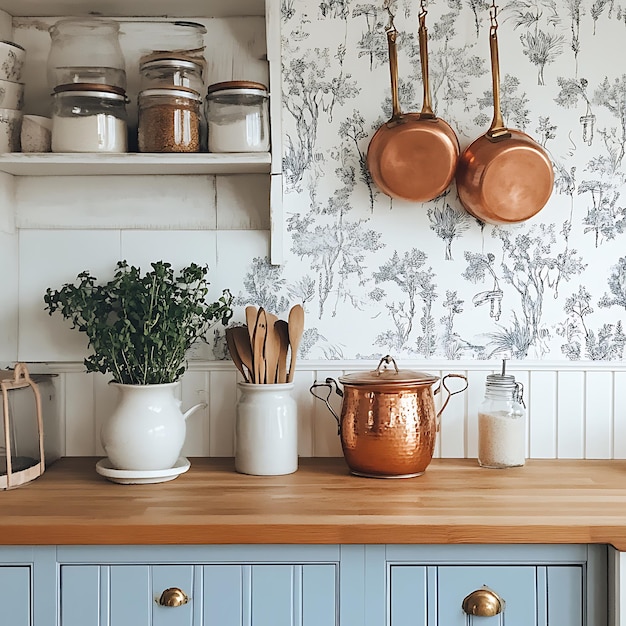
{"points": [[493, 16], [387, 7]]}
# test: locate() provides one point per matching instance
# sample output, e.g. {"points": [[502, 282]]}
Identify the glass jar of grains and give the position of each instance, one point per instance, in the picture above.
{"points": [[237, 117], [89, 117], [502, 423], [167, 69], [169, 120]]}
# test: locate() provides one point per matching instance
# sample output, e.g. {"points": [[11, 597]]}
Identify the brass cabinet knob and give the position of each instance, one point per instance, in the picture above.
{"points": [[483, 602], [173, 597]]}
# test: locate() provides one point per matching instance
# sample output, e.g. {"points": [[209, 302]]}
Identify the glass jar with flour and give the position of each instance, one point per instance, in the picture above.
{"points": [[89, 117], [237, 117], [502, 423]]}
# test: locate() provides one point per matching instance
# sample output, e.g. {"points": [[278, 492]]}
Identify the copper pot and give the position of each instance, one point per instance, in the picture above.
{"points": [[504, 176], [388, 422], [413, 156]]}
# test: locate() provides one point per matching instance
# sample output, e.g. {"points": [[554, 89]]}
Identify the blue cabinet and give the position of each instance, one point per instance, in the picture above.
{"points": [[16, 595]]}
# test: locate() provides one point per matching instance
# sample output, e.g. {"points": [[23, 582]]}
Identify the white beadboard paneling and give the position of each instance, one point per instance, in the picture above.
{"points": [[326, 439], [194, 390], [7, 203], [80, 419], [243, 204], [619, 415], [222, 411], [116, 202], [106, 398], [598, 415], [51, 258], [303, 380], [453, 417], [9, 291], [522, 376], [542, 393], [570, 406], [475, 394]]}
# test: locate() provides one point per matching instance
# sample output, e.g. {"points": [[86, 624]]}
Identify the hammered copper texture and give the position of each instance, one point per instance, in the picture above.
{"points": [[388, 432]]}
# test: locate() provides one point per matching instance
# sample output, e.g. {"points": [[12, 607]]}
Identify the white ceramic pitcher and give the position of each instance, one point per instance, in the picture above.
{"points": [[147, 429]]}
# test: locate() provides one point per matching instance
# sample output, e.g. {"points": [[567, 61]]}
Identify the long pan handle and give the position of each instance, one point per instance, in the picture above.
{"points": [[427, 110], [497, 130], [392, 34]]}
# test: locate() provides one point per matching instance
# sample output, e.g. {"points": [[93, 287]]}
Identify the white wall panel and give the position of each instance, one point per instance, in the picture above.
{"points": [[598, 415], [326, 439], [453, 421], [222, 399], [79, 411], [570, 403], [542, 434], [619, 415]]}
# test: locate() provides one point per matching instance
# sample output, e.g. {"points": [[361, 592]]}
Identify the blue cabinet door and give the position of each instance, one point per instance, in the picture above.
{"points": [[15, 586]]}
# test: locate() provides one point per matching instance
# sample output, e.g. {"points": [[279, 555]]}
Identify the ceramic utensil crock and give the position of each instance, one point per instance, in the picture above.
{"points": [[388, 421]]}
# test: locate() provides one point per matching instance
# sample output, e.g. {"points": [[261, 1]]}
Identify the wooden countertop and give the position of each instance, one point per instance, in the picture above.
{"points": [[455, 501]]}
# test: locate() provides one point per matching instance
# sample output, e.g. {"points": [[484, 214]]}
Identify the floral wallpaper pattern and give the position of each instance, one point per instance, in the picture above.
{"points": [[427, 280]]}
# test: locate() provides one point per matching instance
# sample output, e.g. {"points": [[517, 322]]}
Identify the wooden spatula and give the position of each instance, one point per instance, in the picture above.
{"points": [[234, 353], [258, 347], [296, 328]]}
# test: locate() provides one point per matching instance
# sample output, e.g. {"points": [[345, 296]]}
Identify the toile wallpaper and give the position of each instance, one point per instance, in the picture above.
{"points": [[427, 280]]}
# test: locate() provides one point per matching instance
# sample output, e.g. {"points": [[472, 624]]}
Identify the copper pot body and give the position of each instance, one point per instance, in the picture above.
{"points": [[388, 433], [388, 428], [504, 176], [413, 156]]}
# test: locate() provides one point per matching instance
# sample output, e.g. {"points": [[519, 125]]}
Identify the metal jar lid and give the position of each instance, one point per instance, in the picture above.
{"points": [[173, 92], [387, 376], [237, 87], [172, 61], [109, 92]]}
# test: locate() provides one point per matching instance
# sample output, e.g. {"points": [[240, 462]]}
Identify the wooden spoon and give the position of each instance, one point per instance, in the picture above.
{"points": [[251, 315], [242, 343], [272, 349], [282, 330], [234, 352], [258, 346], [296, 328]]}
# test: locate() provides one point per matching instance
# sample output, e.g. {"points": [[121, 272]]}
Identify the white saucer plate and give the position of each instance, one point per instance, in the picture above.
{"points": [[137, 477]]}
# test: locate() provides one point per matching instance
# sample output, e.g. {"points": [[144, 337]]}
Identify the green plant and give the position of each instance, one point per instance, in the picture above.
{"points": [[141, 327]]}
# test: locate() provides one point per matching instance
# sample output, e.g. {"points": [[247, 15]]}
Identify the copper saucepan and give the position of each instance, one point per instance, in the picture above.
{"points": [[504, 176], [413, 156], [388, 423]]}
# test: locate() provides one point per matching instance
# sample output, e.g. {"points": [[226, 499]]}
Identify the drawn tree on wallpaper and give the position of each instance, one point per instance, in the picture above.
{"points": [[513, 106], [334, 245], [597, 9], [531, 267], [372, 43], [574, 10], [303, 290], [309, 91], [334, 9], [449, 223], [617, 286], [570, 90], [541, 46], [453, 345], [416, 281], [287, 10], [479, 9], [604, 345], [478, 267], [565, 183], [612, 96], [263, 284]]}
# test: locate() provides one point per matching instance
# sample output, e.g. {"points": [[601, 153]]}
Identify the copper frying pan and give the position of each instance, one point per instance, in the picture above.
{"points": [[413, 156], [504, 176]]}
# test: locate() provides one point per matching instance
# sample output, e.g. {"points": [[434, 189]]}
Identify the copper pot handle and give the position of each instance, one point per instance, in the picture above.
{"points": [[329, 383], [450, 393], [427, 111], [497, 129]]}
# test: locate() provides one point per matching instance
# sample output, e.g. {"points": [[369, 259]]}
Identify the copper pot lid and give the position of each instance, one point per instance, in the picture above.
{"points": [[383, 374]]}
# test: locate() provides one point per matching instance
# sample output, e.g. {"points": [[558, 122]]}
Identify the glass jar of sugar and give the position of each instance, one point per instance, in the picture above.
{"points": [[237, 117], [502, 423], [88, 117]]}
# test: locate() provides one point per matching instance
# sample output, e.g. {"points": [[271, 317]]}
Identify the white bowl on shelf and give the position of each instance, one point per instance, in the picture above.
{"points": [[36, 133], [10, 128], [12, 57], [11, 95]]}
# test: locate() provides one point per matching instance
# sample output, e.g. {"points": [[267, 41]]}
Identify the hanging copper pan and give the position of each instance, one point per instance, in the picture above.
{"points": [[504, 176], [413, 156]]}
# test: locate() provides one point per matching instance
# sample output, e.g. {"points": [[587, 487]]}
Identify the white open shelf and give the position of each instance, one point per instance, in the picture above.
{"points": [[77, 164]]}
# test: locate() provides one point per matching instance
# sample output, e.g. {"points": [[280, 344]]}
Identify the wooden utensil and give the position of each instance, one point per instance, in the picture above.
{"points": [[244, 350], [272, 349], [258, 346], [296, 328], [282, 330], [234, 352], [251, 315]]}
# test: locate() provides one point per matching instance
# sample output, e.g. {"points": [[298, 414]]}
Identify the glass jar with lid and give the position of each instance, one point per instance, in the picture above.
{"points": [[502, 423], [89, 118], [86, 50], [171, 70], [237, 117], [169, 120]]}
